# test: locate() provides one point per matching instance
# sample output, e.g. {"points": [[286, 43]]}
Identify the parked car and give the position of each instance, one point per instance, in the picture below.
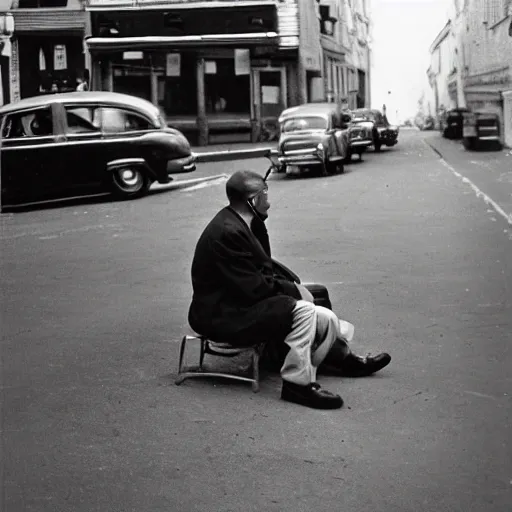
{"points": [[360, 136], [450, 123], [428, 124], [383, 132], [82, 143], [313, 135], [481, 129]]}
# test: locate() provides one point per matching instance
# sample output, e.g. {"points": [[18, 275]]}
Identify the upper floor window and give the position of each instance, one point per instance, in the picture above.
{"points": [[496, 10], [34, 4]]}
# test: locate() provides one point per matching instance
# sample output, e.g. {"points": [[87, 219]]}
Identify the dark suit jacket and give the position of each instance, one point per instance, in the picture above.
{"points": [[237, 298]]}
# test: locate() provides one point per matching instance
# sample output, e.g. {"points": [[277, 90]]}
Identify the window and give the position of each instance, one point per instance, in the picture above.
{"points": [[83, 119], [304, 123], [33, 123], [496, 10], [116, 120]]}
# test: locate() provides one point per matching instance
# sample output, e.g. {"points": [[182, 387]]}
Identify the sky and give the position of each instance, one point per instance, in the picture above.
{"points": [[403, 31]]}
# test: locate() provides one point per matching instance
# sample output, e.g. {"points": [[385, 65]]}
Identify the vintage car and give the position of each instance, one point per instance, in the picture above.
{"points": [[84, 143], [360, 136], [481, 129], [313, 135], [451, 121], [384, 134]]}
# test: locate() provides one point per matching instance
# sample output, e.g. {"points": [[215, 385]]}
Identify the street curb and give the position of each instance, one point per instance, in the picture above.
{"points": [[174, 185], [235, 154], [434, 149]]}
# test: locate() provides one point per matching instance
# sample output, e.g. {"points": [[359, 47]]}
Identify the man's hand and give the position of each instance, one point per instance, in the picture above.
{"points": [[305, 294]]}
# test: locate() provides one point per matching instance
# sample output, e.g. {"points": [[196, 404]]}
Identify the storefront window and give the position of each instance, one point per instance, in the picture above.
{"points": [[50, 64], [225, 91], [176, 95]]}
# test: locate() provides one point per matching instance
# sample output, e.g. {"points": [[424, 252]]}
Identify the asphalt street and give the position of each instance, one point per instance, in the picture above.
{"points": [[415, 250]]}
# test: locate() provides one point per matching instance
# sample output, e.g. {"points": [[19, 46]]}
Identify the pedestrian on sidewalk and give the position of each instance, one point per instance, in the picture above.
{"points": [[238, 299]]}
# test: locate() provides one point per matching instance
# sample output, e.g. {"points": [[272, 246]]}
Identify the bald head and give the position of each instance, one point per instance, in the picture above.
{"points": [[242, 185]]}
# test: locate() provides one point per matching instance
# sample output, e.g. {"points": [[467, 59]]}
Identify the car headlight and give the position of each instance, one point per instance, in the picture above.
{"points": [[320, 150]]}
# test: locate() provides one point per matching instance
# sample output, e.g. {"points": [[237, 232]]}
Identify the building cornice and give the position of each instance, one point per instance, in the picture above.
{"points": [[443, 34]]}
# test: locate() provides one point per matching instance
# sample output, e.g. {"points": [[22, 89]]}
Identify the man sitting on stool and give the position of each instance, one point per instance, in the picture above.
{"points": [[238, 299]]}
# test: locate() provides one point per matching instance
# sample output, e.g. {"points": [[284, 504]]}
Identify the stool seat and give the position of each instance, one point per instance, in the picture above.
{"points": [[220, 349]]}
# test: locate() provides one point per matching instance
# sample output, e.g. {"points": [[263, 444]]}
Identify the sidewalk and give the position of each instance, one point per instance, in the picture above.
{"points": [[232, 151], [453, 149], [487, 173]]}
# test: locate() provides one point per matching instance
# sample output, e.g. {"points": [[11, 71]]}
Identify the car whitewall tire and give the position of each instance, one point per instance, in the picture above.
{"points": [[130, 182]]}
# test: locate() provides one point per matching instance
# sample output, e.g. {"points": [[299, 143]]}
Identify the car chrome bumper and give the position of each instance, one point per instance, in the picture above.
{"points": [[182, 165], [360, 143], [309, 158]]}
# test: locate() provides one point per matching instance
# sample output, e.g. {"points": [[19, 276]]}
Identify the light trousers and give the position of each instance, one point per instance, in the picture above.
{"points": [[314, 331]]}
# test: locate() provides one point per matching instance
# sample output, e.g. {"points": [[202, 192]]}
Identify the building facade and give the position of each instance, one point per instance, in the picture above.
{"points": [[47, 53], [488, 80], [441, 71], [345, 33], [218, 70], [471, 60]]}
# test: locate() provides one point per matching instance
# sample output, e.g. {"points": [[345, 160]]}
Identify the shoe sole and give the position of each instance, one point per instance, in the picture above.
{"points": [[328, 403]]}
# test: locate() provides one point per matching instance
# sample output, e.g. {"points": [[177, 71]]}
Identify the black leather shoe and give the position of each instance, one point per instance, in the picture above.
{"points": [[311, 396], [356, 366]]}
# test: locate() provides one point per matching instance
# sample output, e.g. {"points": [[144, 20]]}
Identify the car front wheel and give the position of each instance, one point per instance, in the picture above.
{"points": [[128, 182]]}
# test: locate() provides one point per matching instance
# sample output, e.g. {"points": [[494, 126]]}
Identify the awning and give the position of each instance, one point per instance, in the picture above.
{"points": [[131, 43], [49, 20], [134, 5]]}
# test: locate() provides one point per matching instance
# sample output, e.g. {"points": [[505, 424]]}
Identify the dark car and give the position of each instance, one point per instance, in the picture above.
{"points": [[451, 122], [384, 134], [360, 136], [83, 143], [481, 130], [313, 135]]}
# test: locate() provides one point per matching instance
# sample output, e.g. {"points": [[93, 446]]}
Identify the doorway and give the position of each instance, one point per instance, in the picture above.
{"points": [[269, 100]]}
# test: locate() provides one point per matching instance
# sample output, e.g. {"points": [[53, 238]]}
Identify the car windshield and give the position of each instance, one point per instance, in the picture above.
{"points": [[363, 115], [296, 124]]}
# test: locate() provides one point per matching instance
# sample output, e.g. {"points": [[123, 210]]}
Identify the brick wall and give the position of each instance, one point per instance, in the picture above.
{"points": [[489, 47]]}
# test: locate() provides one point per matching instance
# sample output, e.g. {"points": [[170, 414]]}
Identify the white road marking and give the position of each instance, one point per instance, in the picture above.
{"points": [[489, 201], [480, 395], [205, 184]]}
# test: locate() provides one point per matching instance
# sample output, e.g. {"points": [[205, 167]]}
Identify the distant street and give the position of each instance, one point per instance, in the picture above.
{"points": [[415, 251]]}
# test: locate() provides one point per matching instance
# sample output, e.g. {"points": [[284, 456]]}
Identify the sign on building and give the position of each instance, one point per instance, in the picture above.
{"points": [[242, 61], [173, 64], [60, 60]]}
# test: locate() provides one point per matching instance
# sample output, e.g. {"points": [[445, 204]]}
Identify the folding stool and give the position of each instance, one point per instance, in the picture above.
{"points": [[214, 348]]}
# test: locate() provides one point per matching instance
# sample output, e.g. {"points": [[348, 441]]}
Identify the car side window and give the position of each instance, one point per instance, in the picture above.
{"points": [[117, 120], [82, 119], [32, 123]]}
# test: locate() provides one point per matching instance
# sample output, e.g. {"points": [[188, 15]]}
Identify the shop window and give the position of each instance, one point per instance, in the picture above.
{"points": [[34, 4], [178, 94], [33, 123], [225, 91]]}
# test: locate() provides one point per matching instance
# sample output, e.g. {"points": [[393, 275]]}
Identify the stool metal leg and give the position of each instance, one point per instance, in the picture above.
{"points": [[256, 370], [203, 350], [180, 378]]}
